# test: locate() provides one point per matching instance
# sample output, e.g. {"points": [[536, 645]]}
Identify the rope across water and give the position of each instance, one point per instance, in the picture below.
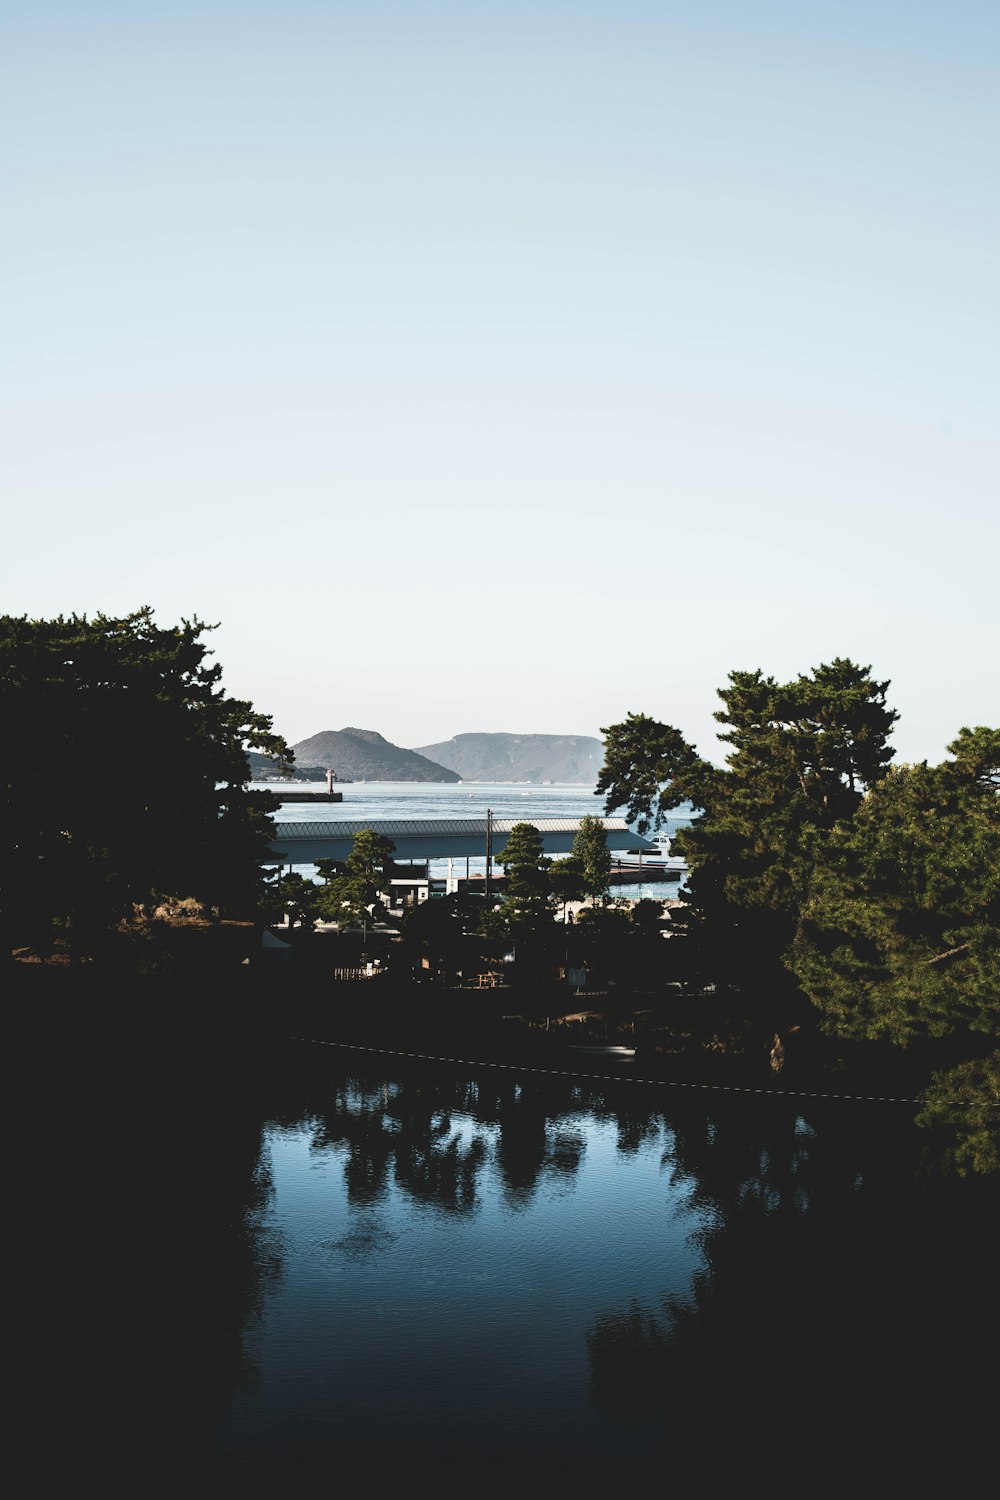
{"points": [[723, 1088]]}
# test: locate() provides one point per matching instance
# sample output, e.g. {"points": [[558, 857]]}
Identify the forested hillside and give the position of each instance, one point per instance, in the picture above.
{"points": [[364, 755], [566, 758]]}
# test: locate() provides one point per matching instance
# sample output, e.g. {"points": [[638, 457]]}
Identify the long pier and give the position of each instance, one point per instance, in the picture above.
{"points": [[620, 876], [310, 796], [645, 874]]}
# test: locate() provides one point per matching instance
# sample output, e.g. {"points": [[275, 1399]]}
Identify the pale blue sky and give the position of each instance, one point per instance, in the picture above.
{"points": [[510, 366]]}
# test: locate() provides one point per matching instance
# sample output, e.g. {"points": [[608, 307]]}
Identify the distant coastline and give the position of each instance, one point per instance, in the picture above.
{"points": [[497, 759]]}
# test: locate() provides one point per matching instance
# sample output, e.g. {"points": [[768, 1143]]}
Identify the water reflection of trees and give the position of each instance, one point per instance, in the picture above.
{"points": [[211, 1260], [836, 1291], [435, 1137], [829, 1324]]}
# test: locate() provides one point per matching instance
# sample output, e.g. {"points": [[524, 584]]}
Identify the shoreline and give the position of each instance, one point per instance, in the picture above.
{"points": [[104, 1026]]}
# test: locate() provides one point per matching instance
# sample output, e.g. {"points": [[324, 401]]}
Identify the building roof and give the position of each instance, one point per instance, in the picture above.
{"points": [[435, 838]]}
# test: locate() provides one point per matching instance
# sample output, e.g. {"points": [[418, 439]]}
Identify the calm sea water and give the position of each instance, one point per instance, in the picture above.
{"points": [[413, 799]]}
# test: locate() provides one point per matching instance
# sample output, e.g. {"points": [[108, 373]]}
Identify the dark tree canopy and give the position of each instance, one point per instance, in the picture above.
{"points": [[592, 855], [801, 755], [356, 892], [900, 935], [527, 889], [584, 873], [649, 769], [292, 896], [822, 876], [126, 775]]}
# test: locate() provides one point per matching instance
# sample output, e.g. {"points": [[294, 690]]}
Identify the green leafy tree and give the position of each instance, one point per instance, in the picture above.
{"points": [[899, 939], [801, 757], [527, 901], [446, 932], [528, 909], [591, 852], [490, 928], [646, 917], [649, 769], [293, 896], [961, 1106], [567, 880], [125, 777], [357, 893]]}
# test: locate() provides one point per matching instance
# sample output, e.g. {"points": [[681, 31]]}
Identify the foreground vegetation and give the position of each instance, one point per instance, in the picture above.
{"points": [[836, 904], [820, 871]]}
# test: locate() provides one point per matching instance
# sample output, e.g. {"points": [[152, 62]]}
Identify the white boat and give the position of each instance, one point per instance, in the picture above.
{"points": [[658, 858]]}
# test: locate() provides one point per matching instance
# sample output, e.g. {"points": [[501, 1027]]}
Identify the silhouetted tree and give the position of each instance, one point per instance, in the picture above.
{"points": [[801, 757], [900, 937], [357, 892], [293, 896], [591, 853], [125, 777], [527, 901]]}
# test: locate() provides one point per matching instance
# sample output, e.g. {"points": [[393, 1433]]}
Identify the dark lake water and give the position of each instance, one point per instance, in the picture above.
{"points": [[292, 1267]]}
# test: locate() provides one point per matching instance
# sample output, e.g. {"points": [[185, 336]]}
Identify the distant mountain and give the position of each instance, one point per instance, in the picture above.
{"points": [[571, 758], [363, 755], [263, 768]]}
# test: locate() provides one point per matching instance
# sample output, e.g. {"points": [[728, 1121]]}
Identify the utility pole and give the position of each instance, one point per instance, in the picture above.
{"points": [[489, 856]]}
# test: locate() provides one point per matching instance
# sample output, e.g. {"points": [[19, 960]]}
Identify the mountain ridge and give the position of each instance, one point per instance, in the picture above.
{"points": [[574, 759], [355, 754], [365, 755]]}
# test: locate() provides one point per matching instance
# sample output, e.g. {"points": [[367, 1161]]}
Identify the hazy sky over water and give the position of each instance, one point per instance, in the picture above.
{"points": [[510, 366]]}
